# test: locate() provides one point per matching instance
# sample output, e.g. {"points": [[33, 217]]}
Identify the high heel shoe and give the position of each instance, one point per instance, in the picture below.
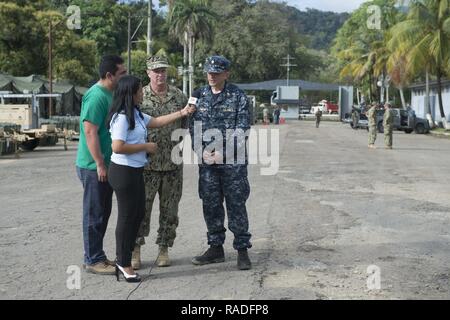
{"points": [[128, 277]]}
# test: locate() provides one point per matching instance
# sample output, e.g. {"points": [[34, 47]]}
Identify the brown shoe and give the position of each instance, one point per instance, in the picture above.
{"points": [[163, 258], [107, 261], [136, 257], [101, 268]]}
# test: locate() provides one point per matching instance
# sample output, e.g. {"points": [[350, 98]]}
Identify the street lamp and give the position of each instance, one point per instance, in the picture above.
{"points": [[384, 83]]}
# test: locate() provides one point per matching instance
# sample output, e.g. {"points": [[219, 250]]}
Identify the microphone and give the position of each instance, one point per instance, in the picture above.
{"points": [[193, 101]]}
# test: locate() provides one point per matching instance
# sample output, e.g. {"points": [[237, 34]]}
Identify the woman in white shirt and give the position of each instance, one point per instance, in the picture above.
{"points": [[128, 127]]}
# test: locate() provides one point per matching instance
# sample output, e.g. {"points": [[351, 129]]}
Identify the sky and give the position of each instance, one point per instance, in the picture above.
{"points": [[326, 5]]}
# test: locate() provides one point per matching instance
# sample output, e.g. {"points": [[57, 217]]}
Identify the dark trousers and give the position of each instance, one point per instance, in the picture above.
{"points": [[97, 204], [128, 184], [229, 183]]}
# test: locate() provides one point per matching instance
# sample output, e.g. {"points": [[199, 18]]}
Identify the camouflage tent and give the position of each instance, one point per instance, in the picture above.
{"points": [[68, 104]]}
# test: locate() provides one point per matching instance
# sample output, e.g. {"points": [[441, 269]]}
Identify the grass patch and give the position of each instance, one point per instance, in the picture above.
{"points": [[439, 130]]}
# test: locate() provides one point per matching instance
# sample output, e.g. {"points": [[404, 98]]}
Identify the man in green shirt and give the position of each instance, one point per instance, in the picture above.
{"points": [[93, 158]]}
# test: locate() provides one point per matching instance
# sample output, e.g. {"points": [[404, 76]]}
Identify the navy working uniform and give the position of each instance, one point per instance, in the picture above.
{"points": [[228, 110]]}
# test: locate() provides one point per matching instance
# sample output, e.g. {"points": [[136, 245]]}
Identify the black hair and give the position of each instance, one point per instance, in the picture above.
{"points": [[109, 64], [123, 100]]}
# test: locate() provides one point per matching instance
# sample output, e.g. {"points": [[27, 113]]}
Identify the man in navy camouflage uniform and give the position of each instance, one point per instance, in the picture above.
{"points": [[222, 107]]}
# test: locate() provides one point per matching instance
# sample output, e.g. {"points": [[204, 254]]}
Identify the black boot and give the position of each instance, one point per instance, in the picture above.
{"points": [[243, 261], [214, 254]]}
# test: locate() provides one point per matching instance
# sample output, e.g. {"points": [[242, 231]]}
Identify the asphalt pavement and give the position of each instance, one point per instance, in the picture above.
{"points": [[336, 221]]}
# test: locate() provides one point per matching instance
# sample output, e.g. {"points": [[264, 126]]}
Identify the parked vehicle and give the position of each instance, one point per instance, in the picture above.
{"points": [[404, 121], [363, 122], [325, 107]]}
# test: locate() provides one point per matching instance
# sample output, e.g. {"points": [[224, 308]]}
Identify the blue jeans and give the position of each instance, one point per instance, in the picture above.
{"points": [[97, 205]]}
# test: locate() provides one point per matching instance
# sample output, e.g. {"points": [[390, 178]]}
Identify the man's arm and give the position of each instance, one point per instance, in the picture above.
{"points": [[242, 123], [93, 144]]}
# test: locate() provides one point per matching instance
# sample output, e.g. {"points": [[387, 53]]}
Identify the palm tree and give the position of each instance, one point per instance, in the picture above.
{"points": [[365, 51], [191, 20], [398, 72], [425, 34]]}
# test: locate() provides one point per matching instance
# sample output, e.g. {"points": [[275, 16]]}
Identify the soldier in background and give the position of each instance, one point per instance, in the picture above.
{"points": [[222, 173], [388, 124], [276, 115], [355, 118], [372, 117], [266, 115], [318, 115], [161, 176]]}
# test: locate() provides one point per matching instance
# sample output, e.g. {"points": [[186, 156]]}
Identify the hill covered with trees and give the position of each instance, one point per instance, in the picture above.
{"points": [[255, 35]]}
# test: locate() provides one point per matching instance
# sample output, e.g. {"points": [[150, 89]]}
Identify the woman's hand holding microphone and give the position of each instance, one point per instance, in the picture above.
{"points": [[190, 107]]}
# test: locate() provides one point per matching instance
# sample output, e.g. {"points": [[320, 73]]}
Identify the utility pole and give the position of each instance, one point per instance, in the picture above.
{"points": [[50, 69], [288, 65], [149, 29], [131, 37], [129, 43]]}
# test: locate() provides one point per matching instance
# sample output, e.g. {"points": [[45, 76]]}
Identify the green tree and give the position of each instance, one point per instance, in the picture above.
{"points": [[245, 33], [73, 57], [20, 43], [425, 34], [362, 52], [139, 65], [105, 23], [190, 21]]}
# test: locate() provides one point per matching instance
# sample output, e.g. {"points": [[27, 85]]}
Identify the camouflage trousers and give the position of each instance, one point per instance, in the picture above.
{"points": [[372, 134], [388, 137], [317, 122], [229, 183], [169, 186]]}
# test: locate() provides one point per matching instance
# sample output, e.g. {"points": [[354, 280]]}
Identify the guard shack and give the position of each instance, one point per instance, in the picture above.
{"points": [[288, 99], [288, 96]]}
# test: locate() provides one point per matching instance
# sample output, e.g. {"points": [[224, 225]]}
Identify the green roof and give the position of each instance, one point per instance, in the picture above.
{"points": [[37, 84]]}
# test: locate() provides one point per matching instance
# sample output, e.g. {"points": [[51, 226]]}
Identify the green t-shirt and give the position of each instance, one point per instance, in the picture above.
{"points": [[95, 108]]}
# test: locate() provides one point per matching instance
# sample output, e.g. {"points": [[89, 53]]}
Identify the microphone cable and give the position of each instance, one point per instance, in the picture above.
{"points": [[145, 277]]}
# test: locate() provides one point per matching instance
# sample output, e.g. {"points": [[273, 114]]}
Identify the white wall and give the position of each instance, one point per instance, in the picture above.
{"points": [[418, 103], [291, 113]]}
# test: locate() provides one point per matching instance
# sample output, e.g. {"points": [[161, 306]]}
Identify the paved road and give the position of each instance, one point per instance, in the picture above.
{"points": [[334, 209]]}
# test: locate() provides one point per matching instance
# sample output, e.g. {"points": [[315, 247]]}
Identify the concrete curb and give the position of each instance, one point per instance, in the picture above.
{"points": [[442, 135]]}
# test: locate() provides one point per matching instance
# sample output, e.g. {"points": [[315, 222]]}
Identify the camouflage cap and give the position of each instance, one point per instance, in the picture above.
{"points": [[216, 64], [156, 62]]}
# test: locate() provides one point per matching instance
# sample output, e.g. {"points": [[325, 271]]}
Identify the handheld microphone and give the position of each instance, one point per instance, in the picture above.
{"points": [[193, 101]]}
